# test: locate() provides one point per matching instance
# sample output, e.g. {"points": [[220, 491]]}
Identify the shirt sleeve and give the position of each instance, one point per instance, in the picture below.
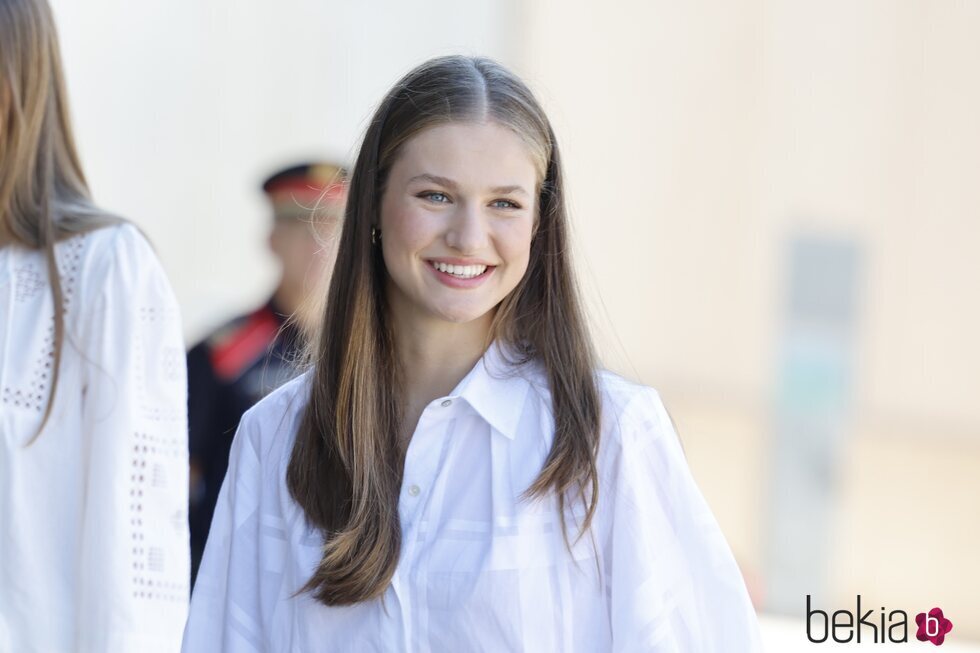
{"points": [[225, 612], [674, 583], [133, 550]]}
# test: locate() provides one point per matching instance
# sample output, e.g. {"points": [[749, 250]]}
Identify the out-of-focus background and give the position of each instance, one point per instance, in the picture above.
{"points": [[776, 210]]}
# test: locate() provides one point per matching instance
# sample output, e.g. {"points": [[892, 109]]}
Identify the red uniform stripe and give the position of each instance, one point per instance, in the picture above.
{"points": [[245, 345]]}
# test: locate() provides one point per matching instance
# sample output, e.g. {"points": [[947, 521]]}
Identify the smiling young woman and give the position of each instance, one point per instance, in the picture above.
{"points": [[430, 482]]}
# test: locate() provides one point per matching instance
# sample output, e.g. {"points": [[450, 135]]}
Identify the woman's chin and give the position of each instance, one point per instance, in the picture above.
{"points": [[460, 315]]}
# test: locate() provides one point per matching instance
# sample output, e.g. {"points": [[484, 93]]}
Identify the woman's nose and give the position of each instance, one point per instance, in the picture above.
{"points": [[468, 231]]}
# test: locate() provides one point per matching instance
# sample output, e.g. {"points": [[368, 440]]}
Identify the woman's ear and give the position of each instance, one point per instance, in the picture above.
{"points": [[275, 241]]}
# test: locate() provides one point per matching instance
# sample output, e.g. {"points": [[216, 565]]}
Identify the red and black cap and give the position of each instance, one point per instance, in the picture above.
{"points": [[295, 191]]}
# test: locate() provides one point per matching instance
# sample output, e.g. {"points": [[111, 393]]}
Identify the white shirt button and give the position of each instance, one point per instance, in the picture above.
{"points": [[446, 402], [414, 490]]}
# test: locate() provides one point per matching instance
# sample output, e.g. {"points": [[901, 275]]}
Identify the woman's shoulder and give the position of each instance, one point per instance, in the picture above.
{"points": [[627, 407], [116, 266], [88, 254], [106, 255], [631, 409], [271, 424], [114, 244]]}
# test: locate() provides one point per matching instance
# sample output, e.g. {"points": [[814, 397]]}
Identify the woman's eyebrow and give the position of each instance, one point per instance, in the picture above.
{"points": [[435, 179], [504, 190], [449, 183]]}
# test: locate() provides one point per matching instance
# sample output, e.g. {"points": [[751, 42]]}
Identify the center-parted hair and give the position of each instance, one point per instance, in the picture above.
{"points": [[346, 464]]}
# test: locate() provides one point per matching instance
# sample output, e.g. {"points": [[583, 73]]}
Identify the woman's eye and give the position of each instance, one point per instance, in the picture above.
{"points": [[435, 196], [504, 204]]}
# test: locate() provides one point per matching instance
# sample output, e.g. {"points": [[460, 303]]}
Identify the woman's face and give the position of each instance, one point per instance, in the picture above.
{"points": [[457, 217]]}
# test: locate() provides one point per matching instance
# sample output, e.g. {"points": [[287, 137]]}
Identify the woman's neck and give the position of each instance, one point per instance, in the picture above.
{"points": [[435, 355]]}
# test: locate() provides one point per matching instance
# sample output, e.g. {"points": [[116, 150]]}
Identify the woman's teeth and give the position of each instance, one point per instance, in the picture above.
{"points": [[461, 271]]}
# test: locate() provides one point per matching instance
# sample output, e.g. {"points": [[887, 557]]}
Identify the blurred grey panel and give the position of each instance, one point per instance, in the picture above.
{"points": [[822, 275], [814, 388]]}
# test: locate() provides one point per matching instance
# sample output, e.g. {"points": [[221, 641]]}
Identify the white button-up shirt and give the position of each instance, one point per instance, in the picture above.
{"points": [[94, 546], [479, 571]]}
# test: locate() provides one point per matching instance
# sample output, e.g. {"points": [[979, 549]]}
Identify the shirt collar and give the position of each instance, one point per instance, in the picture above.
{"points": [[496, 389]]}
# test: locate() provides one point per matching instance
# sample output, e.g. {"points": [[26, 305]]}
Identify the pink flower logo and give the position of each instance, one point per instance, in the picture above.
{"points": [[932, 626]]}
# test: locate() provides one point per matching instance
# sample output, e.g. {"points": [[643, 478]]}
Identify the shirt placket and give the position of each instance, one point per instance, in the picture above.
{"points": [[425, 451]]}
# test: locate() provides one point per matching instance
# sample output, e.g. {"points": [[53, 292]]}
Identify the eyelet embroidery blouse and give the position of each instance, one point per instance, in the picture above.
{"points": [[94, 547]]}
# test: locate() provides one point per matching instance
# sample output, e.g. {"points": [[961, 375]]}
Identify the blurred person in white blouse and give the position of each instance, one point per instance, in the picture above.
{"points": [[456, 472], [94, 550]]}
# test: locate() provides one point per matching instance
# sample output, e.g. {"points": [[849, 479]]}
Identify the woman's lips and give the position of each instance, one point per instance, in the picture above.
{"points": [[461, 282]]}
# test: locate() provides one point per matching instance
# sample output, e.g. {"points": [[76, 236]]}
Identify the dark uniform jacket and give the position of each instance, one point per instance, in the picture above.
{"points": [[227, 373]]}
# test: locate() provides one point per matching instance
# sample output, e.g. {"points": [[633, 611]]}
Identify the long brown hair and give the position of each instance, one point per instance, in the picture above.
{"points": [[346, 464], [43, 194]]}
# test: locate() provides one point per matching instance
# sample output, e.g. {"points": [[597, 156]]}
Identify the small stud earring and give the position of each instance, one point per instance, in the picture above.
{"points": [[375, 236]]}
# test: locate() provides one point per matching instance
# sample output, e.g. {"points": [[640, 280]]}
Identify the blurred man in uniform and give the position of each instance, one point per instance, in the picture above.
{"points": [[250, 356]]}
